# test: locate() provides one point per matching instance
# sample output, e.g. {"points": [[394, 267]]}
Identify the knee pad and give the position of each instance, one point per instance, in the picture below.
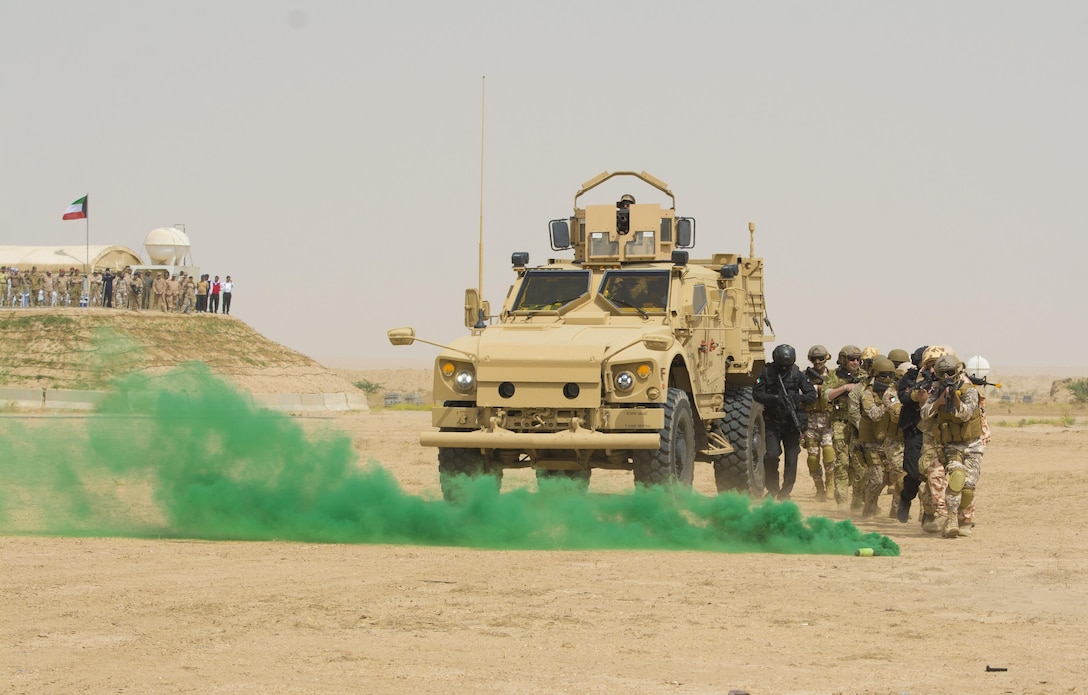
{"points": [[813, 464], [956, 478], [829, 454], [967, 497]]}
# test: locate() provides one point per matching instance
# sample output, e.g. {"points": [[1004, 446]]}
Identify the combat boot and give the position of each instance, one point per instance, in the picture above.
{"points": [[930, 523], [821, 493], [951, 527], [965, 528], [903, 513]]}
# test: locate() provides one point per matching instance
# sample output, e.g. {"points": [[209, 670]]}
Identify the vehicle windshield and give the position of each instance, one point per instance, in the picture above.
{"points": [[639, 291], [548, 290]]}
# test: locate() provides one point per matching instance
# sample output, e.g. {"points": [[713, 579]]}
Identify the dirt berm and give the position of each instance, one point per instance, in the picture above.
{"points": [[86, 349]]}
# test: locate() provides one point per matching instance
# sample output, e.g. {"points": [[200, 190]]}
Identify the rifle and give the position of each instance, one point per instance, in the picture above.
{"points": [[814, 376], [789, 404], [981, 381]]}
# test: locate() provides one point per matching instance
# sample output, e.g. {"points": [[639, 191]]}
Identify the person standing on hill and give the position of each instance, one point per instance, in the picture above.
{"points": [[107, 289], [215, 289], [228, 288]]}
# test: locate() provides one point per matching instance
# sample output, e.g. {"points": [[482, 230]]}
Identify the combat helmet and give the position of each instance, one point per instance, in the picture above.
{"points": [[784, 355], [626, 198], [898, 356], [818, 352], [883, 370], [933, 353], [849, 352]]}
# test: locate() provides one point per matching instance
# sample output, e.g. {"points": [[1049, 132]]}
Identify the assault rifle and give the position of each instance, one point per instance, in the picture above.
{"points": [[788, 405], [814, 376], [981, 381]]}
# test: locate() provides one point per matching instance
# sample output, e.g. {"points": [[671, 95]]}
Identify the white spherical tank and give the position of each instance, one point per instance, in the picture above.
{"points": [[166, 245], [977, 366]]}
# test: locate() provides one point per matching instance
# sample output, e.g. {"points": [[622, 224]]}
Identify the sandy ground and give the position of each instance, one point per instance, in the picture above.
{"points": [[156, 616]]}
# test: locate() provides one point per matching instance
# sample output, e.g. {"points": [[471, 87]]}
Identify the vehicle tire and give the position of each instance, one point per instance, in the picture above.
{"points": [[459, 463], [673, 462], [742, 427], [581, 477]]}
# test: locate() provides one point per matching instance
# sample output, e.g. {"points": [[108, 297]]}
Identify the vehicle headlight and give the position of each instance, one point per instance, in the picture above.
{"points": [[464, 380], [624, 381]]}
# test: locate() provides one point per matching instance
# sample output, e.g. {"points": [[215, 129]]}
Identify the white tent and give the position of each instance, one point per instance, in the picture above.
{"points": [[64, 257]]}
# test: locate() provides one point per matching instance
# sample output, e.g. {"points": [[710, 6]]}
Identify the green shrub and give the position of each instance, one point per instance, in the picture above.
{"points": [[1079, 388]]}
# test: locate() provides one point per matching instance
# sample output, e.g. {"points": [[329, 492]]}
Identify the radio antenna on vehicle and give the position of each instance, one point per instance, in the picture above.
{"points": [[483, 93]]}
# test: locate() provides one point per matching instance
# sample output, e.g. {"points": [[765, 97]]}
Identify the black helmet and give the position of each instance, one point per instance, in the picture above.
{"points": [[784, 355], [916, 356]]}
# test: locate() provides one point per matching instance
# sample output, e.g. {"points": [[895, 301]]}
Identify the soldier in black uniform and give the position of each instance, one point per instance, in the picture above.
{"points": [[909, 417], [783, 390]]}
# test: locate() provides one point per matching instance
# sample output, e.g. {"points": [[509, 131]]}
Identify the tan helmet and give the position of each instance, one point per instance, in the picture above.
{"points": [[818, 352], [932, 354], [869, 353], [898, 356], [626, 198], [849, 352]]}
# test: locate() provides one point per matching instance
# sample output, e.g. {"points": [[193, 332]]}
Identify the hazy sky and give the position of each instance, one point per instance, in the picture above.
{"points": [[918, 171]]}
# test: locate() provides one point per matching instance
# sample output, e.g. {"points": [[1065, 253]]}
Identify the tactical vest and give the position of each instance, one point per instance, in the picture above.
{"points": [[821, 404], [874, 431], [952, 431], [839, 407]]}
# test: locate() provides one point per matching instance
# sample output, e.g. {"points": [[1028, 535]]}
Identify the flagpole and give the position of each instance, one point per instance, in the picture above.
{"points": [[87, 258]]}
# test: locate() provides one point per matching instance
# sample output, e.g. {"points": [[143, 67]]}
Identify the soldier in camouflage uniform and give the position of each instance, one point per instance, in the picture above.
{"points": [[955, 407], [858, 464], [931, 459], [120, 289], [838, 385], [819, 436], [173, 289], [879, 424]]}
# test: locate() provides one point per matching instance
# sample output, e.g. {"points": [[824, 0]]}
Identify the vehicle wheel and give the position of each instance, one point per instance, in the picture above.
{"points": [[581, 477], [742, 427], [673, 462], [459, 463]]}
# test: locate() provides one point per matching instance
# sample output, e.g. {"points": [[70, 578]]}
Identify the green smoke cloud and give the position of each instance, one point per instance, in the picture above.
{"points": [[189, 457]]}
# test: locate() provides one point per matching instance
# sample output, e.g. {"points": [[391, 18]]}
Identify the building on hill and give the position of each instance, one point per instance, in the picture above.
{"points": [[54, 258]]}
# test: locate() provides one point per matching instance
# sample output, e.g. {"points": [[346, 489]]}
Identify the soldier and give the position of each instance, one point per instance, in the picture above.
{"points": [[173, 288], [783, 391], [35, 287], [856, 453], [120, 291], [909, 416], [839, 384], [96, 289], [954, 405], [931, 458], [626, 200], [188, 292], [49, 290], [145, 299], [135, 290], [158, 288], [819, 435], [879, 422]]}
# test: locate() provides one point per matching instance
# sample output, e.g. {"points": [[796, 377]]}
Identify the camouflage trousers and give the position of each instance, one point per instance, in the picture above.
{"points": [[859, 468], [893, 450], [877, 472], [819, 443], [934, 480], [964, 460], [842, 459]]}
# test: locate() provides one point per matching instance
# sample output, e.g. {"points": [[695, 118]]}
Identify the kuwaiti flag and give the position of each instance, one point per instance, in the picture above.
{"points": [[77, 210]]}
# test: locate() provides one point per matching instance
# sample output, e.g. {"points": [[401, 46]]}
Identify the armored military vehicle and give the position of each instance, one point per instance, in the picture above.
{"points": [[630, 355]]}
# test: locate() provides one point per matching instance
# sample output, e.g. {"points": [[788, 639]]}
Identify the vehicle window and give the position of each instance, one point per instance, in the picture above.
{"points": [[637, 291], [698, 298], [551, 289]]}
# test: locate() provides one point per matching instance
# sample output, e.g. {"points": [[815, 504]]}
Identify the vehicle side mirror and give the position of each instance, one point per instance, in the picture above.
{"points": [[685, 233], [476, 310], [402, 336], [560, 234]]}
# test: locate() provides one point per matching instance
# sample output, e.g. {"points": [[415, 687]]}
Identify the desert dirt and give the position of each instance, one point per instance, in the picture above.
{"points": [[135, 615]]}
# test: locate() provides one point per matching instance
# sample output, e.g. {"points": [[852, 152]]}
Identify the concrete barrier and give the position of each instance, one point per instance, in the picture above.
{"points": [[23, 399], [56, 399], [140, 401]]}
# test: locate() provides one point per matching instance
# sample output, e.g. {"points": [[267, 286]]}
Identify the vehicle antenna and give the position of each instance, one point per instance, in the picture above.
{"points": [[483, 93]]}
